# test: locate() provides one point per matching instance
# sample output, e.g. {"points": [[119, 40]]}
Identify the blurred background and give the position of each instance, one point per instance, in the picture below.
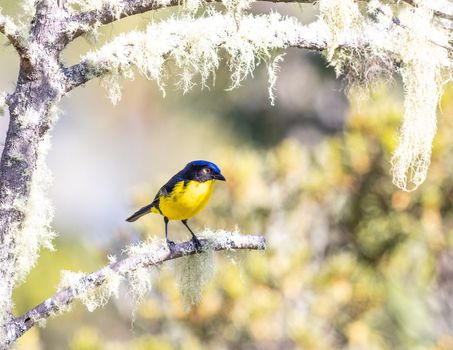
{"points": [[352, 263]]}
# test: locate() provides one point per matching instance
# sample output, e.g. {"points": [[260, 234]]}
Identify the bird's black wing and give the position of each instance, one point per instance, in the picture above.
{"points": [[164, 191], [167, 189]]}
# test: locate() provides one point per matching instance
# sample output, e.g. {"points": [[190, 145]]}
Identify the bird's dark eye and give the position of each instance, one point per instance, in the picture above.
{"points": [[205, 171]]}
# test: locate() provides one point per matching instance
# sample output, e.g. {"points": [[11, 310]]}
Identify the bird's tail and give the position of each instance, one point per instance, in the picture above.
{"points": [[139, 213]]}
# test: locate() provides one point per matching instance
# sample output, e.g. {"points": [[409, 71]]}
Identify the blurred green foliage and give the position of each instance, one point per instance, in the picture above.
{"points": [[352, 263]]}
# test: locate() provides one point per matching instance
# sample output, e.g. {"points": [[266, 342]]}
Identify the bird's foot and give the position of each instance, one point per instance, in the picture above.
{"points": [[171, 245], [196, 243]]}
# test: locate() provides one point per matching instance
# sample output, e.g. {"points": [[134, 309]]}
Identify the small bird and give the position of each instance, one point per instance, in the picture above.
{"points": [[183, 196]]}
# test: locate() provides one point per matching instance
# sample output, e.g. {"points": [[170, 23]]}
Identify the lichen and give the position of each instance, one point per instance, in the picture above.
{"points": [[412, 41], [360, 65], [222, 238], [343, 19], [5, 304], [272, 71], [152, 247], [140, 279], [423, 79], [30, 117], [364, 68], [140, 282], [366, 43], [193, 273], [9, 26], [197, 53], [36, 229], [2, 102], [90, 296], [28, 7]]}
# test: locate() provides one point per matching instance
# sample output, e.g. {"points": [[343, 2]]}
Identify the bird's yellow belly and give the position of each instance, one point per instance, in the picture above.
{"points": [[185, 201]]}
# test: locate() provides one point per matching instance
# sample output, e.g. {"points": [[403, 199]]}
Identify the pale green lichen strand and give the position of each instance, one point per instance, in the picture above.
{"points": [[36, 229], [193, 273], [90, 296], [418, 43], [3, 105], [140, 279], [344, 21], [273, 68], [422, 75]]}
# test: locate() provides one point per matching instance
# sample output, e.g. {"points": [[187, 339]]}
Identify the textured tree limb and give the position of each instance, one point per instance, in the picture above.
{"points": [[37, 90], [87, 20], [312, 37], [61, 300]]}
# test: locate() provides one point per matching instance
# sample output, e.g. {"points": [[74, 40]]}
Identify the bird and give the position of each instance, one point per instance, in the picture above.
{"points": [[183, 196]]}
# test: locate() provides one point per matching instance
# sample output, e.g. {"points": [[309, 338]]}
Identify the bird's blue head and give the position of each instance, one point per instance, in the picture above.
{"points": [[202, 170]]}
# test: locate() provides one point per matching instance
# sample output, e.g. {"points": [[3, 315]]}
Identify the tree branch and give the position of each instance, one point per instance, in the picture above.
{"points": [[61, 300], [180, 35], [147, 53], [88, 20]]}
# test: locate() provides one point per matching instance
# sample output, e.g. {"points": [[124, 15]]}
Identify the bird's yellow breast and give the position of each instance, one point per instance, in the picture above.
{"points": [[185, 200]]}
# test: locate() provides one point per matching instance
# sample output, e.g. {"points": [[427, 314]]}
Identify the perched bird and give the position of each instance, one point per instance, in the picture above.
{"points": [[183, 196]]}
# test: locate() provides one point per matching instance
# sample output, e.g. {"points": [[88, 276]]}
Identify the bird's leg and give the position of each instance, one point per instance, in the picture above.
{"points": [[195, 240], [169, 243]]}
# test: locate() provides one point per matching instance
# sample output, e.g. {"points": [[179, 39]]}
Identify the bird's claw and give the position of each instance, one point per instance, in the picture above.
{"points": [[196, 243], [171, 245]]}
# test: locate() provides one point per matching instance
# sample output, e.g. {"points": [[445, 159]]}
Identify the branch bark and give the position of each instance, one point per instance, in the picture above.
{"points": [[61, 300]]}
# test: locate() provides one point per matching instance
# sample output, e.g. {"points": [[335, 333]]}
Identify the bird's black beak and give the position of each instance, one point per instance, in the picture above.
{"points": [[219, 176]]}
